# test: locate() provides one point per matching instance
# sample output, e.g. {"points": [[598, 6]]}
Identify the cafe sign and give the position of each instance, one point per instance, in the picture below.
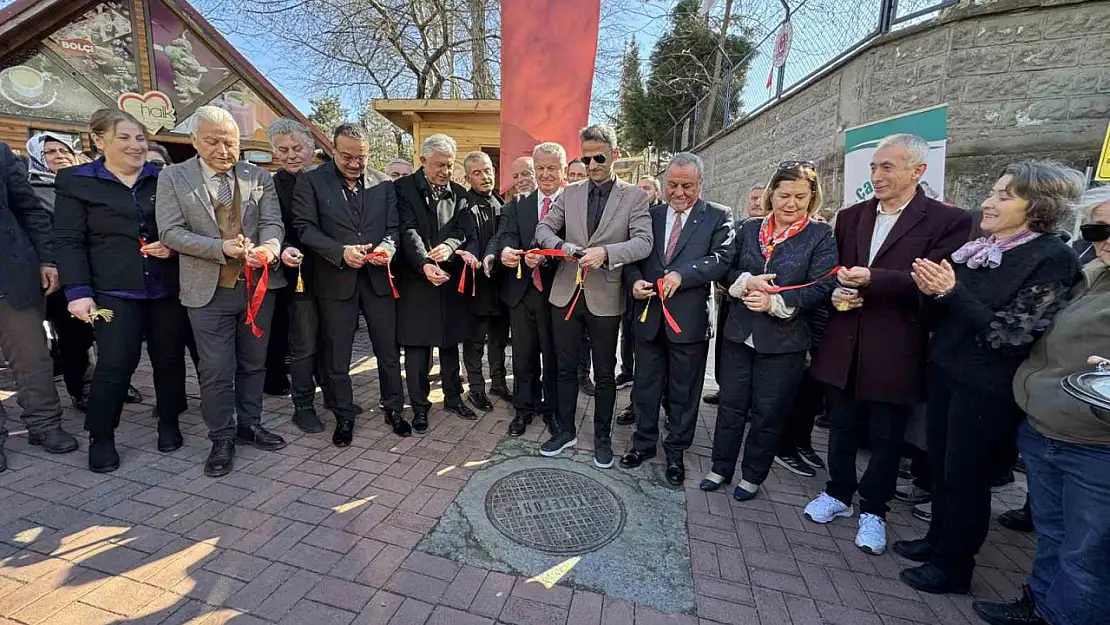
{"points": [[153, 109], [77, 46]]}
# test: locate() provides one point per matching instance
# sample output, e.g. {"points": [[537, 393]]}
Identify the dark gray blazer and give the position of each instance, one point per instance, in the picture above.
{"points": [[802, 258]]}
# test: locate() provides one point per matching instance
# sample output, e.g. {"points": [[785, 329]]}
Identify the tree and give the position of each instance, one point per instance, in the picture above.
{"points": [[630, 95], [387, 141], [327, 113]]}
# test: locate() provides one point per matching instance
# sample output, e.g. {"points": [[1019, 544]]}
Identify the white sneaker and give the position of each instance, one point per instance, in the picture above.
{"points": [[871, 537], [826, 508]]}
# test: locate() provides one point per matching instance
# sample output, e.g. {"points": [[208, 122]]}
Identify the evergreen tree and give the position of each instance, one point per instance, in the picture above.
{"points": [[327, 113], [630, 93]]}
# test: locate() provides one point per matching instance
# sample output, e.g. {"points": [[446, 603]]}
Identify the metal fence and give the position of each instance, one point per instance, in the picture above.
{"points": [[823, 32]]}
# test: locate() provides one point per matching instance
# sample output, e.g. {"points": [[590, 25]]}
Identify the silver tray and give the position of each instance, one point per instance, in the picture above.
{"points": [[1091, 387]]}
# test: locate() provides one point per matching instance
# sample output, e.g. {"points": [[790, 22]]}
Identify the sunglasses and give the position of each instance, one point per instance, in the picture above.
{"points": [[797, 165], [1095, 233], [597, 158]]}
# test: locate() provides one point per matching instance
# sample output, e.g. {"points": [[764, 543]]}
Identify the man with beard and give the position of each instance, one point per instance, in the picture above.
{"points": [[436, 224], [491, 323], [347, 214]]}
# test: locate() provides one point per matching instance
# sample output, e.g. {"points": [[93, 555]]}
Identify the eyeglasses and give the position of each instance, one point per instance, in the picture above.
{"points": [[1095, 233], [597, 158], [797, 165]]}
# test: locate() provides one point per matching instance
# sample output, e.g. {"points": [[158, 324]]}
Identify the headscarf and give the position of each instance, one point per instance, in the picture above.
{"points": [[36, 146]]}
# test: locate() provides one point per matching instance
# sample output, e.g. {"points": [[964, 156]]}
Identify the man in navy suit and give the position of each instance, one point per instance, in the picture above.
{"points": [[692, 249]]}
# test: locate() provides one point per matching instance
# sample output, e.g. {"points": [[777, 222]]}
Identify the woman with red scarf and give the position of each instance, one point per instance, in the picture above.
{"points": [[778, 276]]}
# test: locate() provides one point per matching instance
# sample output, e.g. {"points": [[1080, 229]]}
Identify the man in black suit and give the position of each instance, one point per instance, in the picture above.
{"points": [[534, 364], [438, 243], [491, 320], [26, 268], [347, 214], [693, 240]]}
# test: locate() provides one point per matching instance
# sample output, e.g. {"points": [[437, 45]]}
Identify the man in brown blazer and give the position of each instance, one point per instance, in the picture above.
{"points": [[872, 354], [603, 223]]}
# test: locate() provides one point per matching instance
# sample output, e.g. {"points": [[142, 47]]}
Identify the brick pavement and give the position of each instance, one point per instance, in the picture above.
{"points": [[318, 535]]}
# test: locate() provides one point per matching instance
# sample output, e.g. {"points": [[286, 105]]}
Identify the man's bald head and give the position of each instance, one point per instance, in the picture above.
{"points": [[524, 175]]}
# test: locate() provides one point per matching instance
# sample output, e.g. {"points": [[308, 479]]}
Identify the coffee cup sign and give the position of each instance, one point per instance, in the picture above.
{"points": [[153, 109]]}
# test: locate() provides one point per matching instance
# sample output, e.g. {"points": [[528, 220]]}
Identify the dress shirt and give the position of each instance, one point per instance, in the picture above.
{"points": [[539, 201], [599, 195], [884, 223], [212, 180], [672, 214]]}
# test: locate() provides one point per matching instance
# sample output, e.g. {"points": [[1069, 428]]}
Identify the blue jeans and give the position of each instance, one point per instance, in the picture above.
{"points": [[1069, 491]]}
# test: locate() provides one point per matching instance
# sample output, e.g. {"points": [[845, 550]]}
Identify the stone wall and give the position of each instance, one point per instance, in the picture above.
{"points": [[1022, 78]]}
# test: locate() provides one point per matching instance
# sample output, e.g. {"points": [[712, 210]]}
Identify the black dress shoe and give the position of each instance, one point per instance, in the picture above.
{"points": [[396, 420], [54, 441], [519, 425], [480, 401], [501, 391], [133, 395], [220, 458], [933, 580], [257, 436], [308, 421], [169, 434], [712, 398], [1020, 612], [633, 458], [586, 385], [102, 454], [420, 421], [1018, 520], [624, 380], [626, 417], [918, 550], [344, 433], [676, 472], [461, 410]]}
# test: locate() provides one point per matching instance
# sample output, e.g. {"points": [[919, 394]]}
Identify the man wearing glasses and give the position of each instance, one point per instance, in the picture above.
{"points": [[347, 214], [602, 225]]}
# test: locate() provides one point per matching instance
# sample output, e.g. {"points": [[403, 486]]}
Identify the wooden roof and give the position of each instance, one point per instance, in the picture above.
{"points": [[404, 112]]}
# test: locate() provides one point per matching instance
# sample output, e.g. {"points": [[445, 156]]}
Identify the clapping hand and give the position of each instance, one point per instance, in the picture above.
{"points": [[932, 278]]}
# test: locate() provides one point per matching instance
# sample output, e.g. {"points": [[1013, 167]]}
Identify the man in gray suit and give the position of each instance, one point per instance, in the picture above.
{"points": [[604, 224], [222, 216]]}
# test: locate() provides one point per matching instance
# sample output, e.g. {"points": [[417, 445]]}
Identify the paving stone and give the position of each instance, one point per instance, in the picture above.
{"points": [[342, 594], [316, 613]]}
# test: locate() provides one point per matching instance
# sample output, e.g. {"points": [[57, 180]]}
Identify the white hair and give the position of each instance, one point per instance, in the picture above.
{"points": [[654, 182], [685, 159], [288, 127], [214, 116], [551, 147], [1088, 202], [438, 143], [398, 161], [917, 149], [476, 156]]}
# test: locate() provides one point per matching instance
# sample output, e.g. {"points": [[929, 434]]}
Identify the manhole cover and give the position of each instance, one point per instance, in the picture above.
{"points": [[554, 511]]}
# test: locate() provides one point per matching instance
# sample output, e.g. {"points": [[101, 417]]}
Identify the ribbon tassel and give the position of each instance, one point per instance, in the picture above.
{"points": [[666, 312], [300, 282], [255, 297], [473, 280], [580, 281]]}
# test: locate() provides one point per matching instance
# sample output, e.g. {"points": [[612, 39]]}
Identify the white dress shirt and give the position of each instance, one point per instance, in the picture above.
{"points": [[539, 200], [884, 223], [212, 180], [672, 214]]}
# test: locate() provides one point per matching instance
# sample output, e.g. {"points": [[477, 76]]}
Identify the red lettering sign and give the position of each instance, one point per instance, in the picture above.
{"points": [[77, 47]]}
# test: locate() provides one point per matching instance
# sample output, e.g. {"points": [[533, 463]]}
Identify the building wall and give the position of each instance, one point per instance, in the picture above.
{"points": [[1022, 78]]}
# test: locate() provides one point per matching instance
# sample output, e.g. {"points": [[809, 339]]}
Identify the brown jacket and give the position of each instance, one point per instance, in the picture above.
{"points": [[1080, 330]]}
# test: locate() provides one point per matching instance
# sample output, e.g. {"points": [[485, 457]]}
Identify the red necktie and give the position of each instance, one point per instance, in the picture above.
{"points": [[536, 271], [672, 242]]}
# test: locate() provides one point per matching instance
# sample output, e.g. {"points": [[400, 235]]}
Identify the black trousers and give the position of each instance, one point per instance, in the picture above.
{"points": [[418, 366], [886, 432], [967, 431], [277, 351], [757, 388], [678, 368], [491, 330], [75, 337], [305, 359], [119, 350], [338, 323], [535, 365], [584, 356], [569, 336], [808, 403], [719, 339], [628, 339]]}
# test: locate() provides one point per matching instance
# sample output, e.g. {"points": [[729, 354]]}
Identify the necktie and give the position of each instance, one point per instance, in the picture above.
{"points": [[224, 195], [536, 271], [672, 242]]}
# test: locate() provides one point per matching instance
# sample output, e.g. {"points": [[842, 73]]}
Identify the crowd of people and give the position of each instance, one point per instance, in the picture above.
{"points": [[901, 302]]}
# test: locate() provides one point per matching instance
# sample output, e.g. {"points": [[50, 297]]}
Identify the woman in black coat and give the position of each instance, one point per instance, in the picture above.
{"points": [[109, 258], [987, 307], [767, 331]]}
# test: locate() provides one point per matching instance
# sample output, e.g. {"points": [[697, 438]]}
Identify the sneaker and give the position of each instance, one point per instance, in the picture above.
{"points": [[871, 537], [795, 465], [912, 494], [1020, 612], [603, 454], [558, 443], [811, 458], [826, 508], [923, 511], [624, 380]]}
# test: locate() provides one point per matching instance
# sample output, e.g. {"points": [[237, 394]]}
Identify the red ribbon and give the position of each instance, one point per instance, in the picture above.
{"points": [[255, 297], [581, 280], [827, 274], [551, 253], [666, 313], [142, 244], [473, 280], [384, 255]]}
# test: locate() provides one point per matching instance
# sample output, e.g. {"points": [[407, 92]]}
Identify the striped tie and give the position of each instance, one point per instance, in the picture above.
{"points": [[224, 196], [672, 243]]}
